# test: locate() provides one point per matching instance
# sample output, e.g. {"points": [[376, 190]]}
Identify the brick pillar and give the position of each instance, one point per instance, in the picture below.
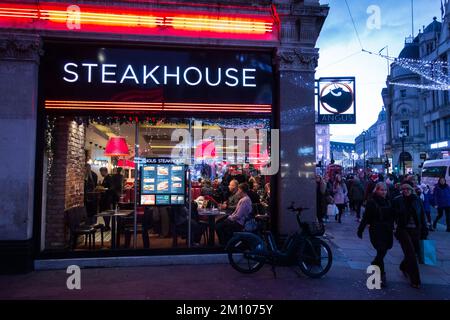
{"points": [[66, 181]]}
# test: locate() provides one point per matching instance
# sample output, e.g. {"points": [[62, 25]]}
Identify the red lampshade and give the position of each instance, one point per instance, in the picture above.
{"points": [[116, 147], [206, 150], [125, 163]]}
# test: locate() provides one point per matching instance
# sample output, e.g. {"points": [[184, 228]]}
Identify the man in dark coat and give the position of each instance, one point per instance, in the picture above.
{"points": [[411, 228]]}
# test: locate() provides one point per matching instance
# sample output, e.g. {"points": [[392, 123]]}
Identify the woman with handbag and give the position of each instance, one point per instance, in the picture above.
{"points": [[379, 216]]}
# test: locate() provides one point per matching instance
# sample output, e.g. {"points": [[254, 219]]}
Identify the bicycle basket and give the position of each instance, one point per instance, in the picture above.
{"points": [[316, 228]]}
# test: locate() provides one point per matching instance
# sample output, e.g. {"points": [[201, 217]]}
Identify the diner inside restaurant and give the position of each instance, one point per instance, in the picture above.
{"points": [[125, 182]]}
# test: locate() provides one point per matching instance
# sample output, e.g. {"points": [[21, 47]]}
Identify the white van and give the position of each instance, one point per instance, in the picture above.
{"points": [[432, 170]]}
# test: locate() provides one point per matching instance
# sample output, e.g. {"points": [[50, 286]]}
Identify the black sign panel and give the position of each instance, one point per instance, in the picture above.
{"points": [[336, 100], [94, 73]]}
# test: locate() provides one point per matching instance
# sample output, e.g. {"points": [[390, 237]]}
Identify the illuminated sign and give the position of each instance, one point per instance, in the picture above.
{"points": [[162, 183], [155, 79], [159, 75], [336, 101], [439, 145], [258, 24]]}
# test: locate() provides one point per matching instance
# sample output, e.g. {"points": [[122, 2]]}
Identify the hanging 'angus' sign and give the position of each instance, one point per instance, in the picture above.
{"points": [[155, 75], [336, 100]]}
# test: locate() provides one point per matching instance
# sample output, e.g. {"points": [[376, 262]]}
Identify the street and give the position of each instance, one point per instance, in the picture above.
{"points": [[346, 279]]}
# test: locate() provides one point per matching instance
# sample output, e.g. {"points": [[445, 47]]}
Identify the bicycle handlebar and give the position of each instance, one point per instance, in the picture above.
{"points": [[298, 209]]}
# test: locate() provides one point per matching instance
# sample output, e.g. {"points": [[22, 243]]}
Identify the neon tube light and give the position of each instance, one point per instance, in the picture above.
{"points": [[152, 106], [49, 15]]}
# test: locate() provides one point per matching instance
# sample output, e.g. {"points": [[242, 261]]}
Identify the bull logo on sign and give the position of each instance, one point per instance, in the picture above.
{"points": [[336, 97]]}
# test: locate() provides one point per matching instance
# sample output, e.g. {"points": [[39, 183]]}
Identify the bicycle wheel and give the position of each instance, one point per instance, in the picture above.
{"points": [[314, 257], [242, 257]]}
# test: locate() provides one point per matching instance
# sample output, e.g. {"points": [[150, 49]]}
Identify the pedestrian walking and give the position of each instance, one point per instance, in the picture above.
{"points": [[409, 217], [379, 216], [340, 194], [441, 195], [427, 203], [356, 195]]}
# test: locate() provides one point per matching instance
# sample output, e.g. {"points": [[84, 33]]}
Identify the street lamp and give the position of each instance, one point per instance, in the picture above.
{"points": [[402, 134]]}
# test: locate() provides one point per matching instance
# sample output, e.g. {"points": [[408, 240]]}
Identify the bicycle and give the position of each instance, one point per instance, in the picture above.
{"points": [[248, 252]]}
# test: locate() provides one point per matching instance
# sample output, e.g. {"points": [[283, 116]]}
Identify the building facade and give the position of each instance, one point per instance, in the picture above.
{"points": [[418, 123], [370, 144], [323, 144], [141, 69]]}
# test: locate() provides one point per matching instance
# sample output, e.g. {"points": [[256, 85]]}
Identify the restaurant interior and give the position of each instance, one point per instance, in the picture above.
{"points": [[96, 195]]}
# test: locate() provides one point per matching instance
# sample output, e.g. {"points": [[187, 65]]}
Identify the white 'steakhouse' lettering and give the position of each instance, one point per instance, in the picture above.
{"points": [[174, 75]]}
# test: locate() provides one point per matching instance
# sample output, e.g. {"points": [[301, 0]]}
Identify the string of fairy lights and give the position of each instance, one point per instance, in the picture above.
{"points": [[436, 72]]}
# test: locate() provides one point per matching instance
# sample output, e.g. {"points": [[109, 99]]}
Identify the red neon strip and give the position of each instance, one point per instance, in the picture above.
{"points": [[142, 106], [48, 15]]}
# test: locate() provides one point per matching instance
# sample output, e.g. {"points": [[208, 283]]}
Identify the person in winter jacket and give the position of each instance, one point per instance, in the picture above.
{"points": [[339, 193], [356, 195], [411, 228], [441, 195], [321, 201], [379, 215], [427, 203]]}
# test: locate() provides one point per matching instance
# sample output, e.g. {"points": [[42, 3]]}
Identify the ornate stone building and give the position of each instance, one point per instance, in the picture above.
{"points": [[289, 33], [422, 114]]}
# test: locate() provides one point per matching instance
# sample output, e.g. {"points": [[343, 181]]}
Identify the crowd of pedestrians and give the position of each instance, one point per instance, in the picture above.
{"points": [[390, 207]]}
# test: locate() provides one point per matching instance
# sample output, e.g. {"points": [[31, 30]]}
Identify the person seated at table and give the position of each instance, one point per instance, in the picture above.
{"points": [[252, 193], [181, 215], [234, 196], [207, 189], [236, 221]]}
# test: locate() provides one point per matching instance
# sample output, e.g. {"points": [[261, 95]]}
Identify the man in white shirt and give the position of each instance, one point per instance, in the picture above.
{"points": [[236, 221]]}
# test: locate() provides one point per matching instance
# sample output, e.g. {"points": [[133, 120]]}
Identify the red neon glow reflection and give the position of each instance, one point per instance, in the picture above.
{"points": [[57, 16]]}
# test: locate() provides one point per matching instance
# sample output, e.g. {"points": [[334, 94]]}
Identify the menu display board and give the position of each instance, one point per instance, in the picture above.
{"points": [[162, 182]]}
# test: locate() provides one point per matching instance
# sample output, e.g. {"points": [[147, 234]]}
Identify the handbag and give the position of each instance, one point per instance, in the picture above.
{"points": [[428, 252], [332, 210]]}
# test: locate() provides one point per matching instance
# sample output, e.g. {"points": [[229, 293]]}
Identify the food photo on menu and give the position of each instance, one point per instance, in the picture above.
{"points": [[163, 186], [148, 199], [149, 187], [163, 171]]}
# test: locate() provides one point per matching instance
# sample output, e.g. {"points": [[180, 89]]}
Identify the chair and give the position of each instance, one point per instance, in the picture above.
{"points": [[96, 226], [74, 220]]}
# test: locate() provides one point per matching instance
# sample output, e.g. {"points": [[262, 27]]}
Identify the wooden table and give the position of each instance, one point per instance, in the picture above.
{"points": [[113, 214]]}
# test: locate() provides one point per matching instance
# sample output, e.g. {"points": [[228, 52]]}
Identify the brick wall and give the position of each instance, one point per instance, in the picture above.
{"points": [[66, 184]]}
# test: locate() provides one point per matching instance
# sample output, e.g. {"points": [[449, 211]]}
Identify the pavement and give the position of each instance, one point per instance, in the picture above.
{"points": [[346, 279]]}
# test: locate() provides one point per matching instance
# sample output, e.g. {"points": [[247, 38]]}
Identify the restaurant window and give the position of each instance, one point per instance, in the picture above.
{"points": [[97, 196]]}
